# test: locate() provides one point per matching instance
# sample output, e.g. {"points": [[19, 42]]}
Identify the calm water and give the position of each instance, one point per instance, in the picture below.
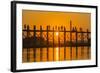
{"points": [[56, 54]]}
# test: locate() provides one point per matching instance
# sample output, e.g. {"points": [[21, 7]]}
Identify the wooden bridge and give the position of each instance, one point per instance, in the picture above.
{"points": [[31, 40]]}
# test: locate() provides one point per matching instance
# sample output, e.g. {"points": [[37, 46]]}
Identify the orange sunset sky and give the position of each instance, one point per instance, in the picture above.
{"points": [[53, 18]]}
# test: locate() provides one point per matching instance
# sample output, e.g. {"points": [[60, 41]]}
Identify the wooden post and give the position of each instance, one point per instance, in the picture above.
{"points": [[82, 40], [47, 43], [28, 51], [70, 40], [53, 43], [64, 43], [34, 49], [76, 43], [23, 49], [41, 51], [88, 48]]}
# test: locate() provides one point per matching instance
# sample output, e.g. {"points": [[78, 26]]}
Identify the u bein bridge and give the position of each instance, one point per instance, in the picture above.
{"points": [[81, 39]]}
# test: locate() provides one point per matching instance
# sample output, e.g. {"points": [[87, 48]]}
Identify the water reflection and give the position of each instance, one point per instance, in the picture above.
{"points": [[55, 54]]}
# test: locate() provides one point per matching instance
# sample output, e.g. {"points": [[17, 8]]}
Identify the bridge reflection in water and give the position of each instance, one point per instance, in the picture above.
{"points": [[56, 54]]}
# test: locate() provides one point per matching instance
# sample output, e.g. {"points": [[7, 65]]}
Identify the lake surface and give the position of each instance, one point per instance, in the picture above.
{"points": [[55, 54]]}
